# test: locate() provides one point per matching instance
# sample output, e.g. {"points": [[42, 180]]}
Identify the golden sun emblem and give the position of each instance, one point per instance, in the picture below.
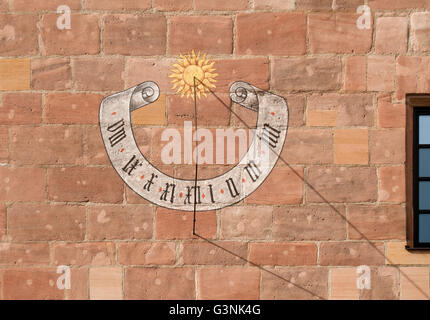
{"points": [[189, 67]]}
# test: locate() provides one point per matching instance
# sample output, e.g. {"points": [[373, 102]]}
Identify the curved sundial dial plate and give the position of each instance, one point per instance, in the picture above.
{"points": [[210, 194]]}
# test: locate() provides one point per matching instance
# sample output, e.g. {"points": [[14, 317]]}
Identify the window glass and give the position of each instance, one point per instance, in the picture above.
{"points": [[418, 141], [424, 134], [424, 228], [424, 195], [424, 162]]}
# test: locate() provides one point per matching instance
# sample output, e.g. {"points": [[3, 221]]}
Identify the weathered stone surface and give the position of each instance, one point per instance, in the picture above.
{"points": [[342, 184], [320, 222], [306, 74]]}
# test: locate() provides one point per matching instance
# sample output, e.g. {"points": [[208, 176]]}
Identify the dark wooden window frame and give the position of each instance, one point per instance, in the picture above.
{"points": [[416, 104]]}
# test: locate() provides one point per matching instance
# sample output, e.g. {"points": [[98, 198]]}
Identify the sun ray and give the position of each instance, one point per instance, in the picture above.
{"points": [[175, 75], [185, 61], [193, 58], [202, 61], [189, 67], [179, 83], [208, 66], [179, 68]]}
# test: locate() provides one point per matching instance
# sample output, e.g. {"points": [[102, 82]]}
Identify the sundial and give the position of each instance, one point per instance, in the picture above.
{"points": [[193, 78]]}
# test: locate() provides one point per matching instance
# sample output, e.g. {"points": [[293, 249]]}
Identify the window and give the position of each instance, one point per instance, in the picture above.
{"points": [[418, 171]]}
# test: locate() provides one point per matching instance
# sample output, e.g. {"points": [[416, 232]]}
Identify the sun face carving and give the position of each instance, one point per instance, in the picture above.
{"points": [[189, 67]]}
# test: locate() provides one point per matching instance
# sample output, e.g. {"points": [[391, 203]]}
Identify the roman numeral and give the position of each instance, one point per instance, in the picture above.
{"points": [[232, 188], [211, 192], [150, 182], [131, 165], [253, 171], [167, 191], [118, 132], [270, 135], [195, 194]]}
